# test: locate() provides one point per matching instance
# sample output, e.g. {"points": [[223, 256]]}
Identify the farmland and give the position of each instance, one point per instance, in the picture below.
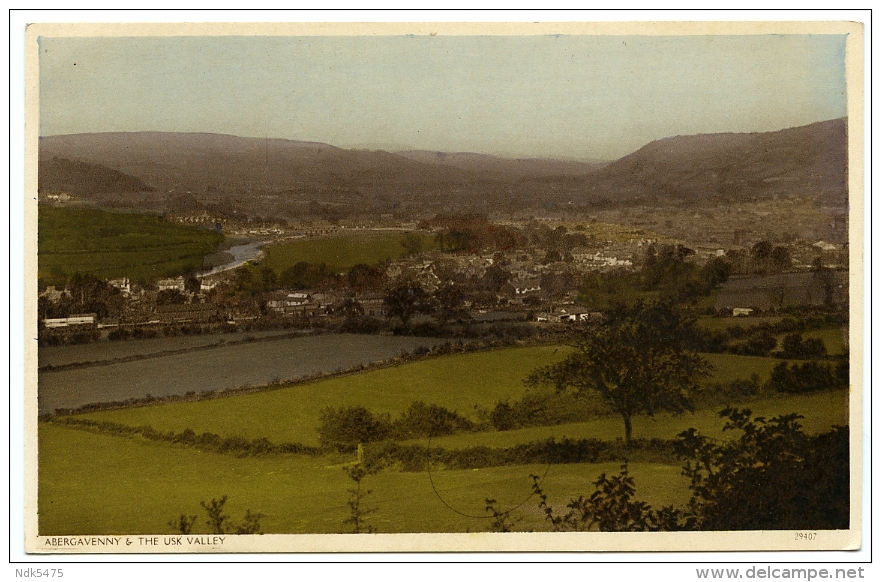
{"points": [[822, 411], [833, 338], [218, 368], [339, 253], [105, 351], [108, 244], [94, 484], [290, 414], [128, 484], [462, 383]]}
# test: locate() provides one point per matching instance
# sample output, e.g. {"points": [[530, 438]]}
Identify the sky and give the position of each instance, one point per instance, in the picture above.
{"points": [[562, 96]]}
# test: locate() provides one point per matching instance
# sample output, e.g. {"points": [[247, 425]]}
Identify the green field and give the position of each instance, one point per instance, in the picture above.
{"points": [[458, 382], [728, 367], [339, 253], [109, 244], [833, 339], [723, 323], [821, 411], [290, 414], [95, 484], [91, 483]]}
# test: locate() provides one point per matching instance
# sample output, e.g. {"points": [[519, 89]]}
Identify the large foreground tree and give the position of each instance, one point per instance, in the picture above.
{"points": [[639, 361]]}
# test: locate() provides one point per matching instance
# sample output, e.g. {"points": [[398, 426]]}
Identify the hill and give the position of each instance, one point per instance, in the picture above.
{"points": [[504, 168], [111, 244], [76, 177], [803, 161], [212, 162], [285, 179]]}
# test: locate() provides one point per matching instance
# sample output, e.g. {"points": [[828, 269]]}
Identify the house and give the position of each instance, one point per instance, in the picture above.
{"points": [[54, 295], [124, 285], [293, 304], [825, 246], [78, 319], [192, 313], [169, 284], [373, 304], [571, 314], [526, 286]]}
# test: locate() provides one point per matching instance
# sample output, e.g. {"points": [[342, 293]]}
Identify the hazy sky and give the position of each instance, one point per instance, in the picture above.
{"points": [[548, 96]]}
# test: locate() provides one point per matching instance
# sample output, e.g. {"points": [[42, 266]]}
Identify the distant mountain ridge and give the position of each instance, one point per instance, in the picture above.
{"points": [[504, 168], [810, 160], [279, 177], [83, 178]]}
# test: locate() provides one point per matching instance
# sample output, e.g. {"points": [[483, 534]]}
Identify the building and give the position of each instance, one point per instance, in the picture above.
{"points": [[124, 285], [169, 284], [79, 320], [193, 313]]}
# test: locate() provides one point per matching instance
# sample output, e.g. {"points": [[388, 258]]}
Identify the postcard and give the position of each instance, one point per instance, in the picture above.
{"points": [[440, 287]]}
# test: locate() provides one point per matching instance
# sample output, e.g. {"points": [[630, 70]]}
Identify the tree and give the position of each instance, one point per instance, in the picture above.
{"points": [[495, 278], [405, 302], [639, 361], [796, 348], [552, 256], [345, 428], [781, 257], [825, 277], [612, 508], [761, 251], [773, 477], [350, 307], [192, 283], [363, 277], [268, 278], [449, 300], [170, 297], [412, 244], [358, 510]]}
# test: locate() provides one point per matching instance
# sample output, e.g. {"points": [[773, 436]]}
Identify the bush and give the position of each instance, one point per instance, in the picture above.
{"points": [[503, 417], [345, 427], [217, 521], [797, 348], [773, 477], [807, 377], [429, 420]]}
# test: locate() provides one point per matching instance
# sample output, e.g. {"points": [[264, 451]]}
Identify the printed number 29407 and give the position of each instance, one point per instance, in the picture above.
{"points": [[805, 536]]}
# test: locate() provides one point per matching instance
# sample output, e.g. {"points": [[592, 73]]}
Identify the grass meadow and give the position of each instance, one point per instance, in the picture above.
{"points": [[110, 244], [462, 383], [94, 483], [339, 253], [723, 323], [290, 414]]}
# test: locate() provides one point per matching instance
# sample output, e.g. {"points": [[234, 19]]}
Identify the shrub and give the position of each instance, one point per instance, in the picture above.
{"points": [[503, 417], [217, 521], [806, 377], [429, 420], [345, 427], [773, 477], [797, 348]]}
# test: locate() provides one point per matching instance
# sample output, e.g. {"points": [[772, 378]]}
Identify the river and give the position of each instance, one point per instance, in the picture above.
{"points": [[241, 255]]}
